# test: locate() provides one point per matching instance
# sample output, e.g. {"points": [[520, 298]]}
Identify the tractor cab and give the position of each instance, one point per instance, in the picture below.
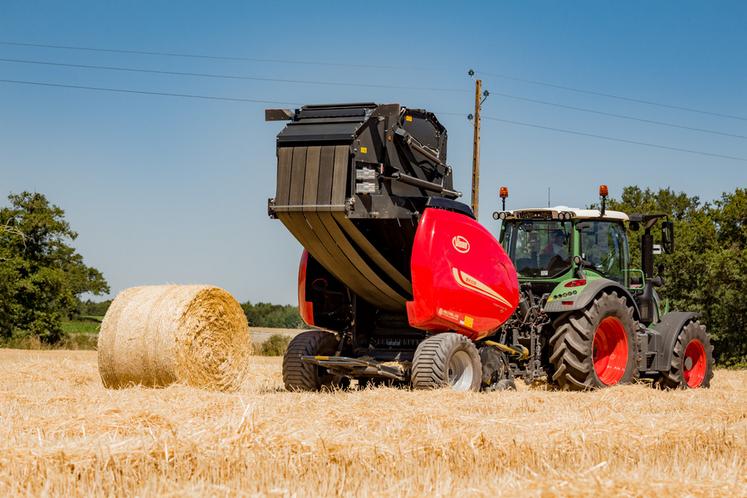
{"points": [[551, 245], [558, 250]]}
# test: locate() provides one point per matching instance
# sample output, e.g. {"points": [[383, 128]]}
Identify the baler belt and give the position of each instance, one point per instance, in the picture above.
{"points": [[297, 225], [339, 257], [339, 239], [310, 201], [362, 242]]}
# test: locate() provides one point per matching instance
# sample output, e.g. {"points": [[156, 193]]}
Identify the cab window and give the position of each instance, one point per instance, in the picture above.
{"points": [[604, 245]]}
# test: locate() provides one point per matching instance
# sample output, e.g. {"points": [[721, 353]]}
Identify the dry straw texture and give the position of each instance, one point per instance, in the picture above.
{"points": [[161, 334], [63, 434]]}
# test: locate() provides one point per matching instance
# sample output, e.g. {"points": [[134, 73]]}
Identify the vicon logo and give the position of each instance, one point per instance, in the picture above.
{"points": [[460, 243]]}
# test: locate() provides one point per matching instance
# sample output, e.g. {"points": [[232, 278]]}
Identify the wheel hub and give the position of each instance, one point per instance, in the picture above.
{"points": [[695, 363], [461, 371], [610, 350]]}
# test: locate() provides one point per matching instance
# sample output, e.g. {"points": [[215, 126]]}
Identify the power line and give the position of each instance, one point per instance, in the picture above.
{"points": [[225, 76], [619, 116], [145, 92], [202, 56], [365, 85], [263, 101], [371, 66], [613, 96], [168, 94], [615, 139]]}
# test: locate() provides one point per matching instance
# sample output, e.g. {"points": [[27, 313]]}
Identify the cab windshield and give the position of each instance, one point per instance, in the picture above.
{"points": [[539, 248]]}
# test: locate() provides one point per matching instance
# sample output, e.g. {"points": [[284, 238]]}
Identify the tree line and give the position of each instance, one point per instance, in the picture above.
{"points": [[707, 272]]}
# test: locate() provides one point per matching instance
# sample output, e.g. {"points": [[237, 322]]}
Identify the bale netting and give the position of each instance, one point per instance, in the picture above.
{"points": [[164, 334]]}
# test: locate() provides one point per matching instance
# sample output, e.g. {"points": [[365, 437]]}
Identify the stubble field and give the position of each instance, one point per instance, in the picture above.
{"points": [[63, 434]]}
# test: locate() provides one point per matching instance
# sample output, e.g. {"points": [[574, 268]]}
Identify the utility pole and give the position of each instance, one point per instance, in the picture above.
{"points": [[476, 149], [480, 97]]}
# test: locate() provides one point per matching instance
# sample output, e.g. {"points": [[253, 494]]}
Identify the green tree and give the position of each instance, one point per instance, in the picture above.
{"points": [[707, 272], [91, 308], [272, 315], [42, 275], [727, 275]]}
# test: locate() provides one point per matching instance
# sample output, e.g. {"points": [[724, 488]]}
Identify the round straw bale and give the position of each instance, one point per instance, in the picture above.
{"points": [[162, 334]]}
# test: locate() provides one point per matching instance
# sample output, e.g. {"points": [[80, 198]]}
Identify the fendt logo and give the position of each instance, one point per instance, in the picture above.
{"points": [[460, 244]]}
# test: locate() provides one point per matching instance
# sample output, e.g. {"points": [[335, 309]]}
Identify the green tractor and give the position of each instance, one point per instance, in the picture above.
{"points": [[588, 319]]}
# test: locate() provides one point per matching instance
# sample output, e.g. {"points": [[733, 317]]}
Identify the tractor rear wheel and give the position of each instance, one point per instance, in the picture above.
{"points": [[299, 375], [595, 347], [447, 360], [692, 359]]}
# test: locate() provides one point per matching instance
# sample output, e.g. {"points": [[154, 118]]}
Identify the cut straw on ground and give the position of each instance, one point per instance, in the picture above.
{"points": [[63, 433]]}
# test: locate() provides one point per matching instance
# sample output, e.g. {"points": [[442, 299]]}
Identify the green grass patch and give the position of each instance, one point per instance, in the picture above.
{"points": [[80, 326], [69, 341], [80, 333], [274, 346]]}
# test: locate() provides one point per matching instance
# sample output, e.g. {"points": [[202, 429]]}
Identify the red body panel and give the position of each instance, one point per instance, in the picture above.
{"points": [[462, 279], [305, 308]]}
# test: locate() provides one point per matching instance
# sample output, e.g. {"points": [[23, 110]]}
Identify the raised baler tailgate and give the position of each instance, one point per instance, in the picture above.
{"points": [[462, 280]]}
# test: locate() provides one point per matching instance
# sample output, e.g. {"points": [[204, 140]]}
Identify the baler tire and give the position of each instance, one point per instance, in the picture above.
{"points": [[436, 358], [299, 375], [572, 345], [693, 333]]}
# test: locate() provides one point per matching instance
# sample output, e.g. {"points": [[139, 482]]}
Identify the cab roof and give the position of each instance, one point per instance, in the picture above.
{"points": [[553, 212]]}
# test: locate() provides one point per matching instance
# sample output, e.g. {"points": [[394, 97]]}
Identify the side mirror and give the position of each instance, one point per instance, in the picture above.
{"points": [[667, 236], [657, 281], [636, 281]]}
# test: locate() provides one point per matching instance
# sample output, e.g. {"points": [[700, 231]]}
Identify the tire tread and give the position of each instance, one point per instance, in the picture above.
{"points": [[571, 343]]}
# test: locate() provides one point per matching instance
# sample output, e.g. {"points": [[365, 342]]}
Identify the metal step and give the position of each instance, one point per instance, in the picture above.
{"points": [[356, 367]]}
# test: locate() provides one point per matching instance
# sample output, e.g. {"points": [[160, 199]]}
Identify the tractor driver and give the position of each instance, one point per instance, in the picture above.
{"points": [[556, 246]]}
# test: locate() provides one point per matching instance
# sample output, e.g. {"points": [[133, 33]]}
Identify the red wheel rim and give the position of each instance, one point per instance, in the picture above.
{"points": [[610, 346], [694, 370]]}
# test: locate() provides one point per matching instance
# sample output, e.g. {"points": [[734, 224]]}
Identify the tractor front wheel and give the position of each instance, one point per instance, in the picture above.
{"points": [[595, 347], [299, 375], [692, 359], [447, 360]]}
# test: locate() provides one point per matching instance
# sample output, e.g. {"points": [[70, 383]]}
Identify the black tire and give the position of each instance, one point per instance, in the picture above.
{"points": [[683, 371], [299, 375], [446, 360], [572, 346]]}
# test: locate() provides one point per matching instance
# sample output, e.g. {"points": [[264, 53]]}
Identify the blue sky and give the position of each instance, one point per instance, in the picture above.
{"points": [[165, 189]]}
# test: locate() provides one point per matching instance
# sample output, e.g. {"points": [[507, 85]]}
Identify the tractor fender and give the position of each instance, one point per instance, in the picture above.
{"points": [[563, 304], [669, 329]]}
